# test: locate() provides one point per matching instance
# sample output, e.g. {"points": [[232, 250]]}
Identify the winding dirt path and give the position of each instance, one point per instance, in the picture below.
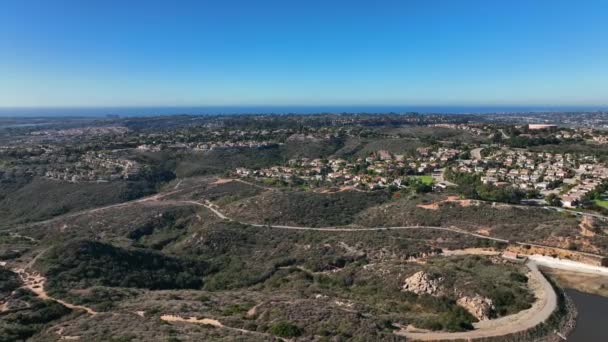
{"points": [[453, 229], [205, 321], [541, 310], [222, 216], [212, 322], [178, 184], [155, 197], [35, 283]]}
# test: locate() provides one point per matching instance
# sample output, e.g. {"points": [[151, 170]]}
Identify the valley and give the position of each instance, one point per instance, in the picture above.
{"points": [[207, 253]]}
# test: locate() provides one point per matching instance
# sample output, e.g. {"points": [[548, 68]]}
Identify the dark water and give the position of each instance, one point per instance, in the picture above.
{"points": [[592, 322], [202, 110]]}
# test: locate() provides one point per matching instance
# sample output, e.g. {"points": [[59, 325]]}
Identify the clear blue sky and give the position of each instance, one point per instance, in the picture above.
{"points": [[296, 52]]}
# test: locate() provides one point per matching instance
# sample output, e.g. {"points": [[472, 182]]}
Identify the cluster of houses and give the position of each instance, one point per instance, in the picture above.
{"points": [[474, 129], [523, 169], [539, 171], [92, 130], [590, 134], [574, 196], [578, 133], [94, 167], [600, 139], [379, 170], [231, 144], [205, 146]]}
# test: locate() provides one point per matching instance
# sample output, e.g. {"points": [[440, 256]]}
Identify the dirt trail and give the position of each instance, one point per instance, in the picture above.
{"points": [[254, 310], [155, 197], [178, 184], [35, 283], [209, 205], [253, 184], [209, 321], [541, 310], [19, 236], [66, 337], [449, 199], [568, 265], [470, 251], [206, 321]]}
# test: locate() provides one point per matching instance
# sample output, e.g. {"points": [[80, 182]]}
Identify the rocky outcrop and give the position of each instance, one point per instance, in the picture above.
{"points": [[480, 307], [423, 283], [414, 257]]}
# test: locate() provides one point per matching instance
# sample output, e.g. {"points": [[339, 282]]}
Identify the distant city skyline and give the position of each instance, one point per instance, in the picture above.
{"points": [[433, 53]]}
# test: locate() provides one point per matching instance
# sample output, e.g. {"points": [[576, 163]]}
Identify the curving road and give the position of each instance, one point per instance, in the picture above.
{"points": [[476, 153], [541, 310]]}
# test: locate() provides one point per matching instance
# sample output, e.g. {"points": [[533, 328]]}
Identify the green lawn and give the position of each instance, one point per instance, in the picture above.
{"points": [[602, 203], [426, 179]]}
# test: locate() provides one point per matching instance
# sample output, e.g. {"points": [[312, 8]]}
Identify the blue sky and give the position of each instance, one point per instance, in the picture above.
{"points": [[228, 52]]}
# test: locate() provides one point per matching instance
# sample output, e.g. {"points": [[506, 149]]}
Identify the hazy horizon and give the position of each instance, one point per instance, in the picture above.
{"points": [[295, 109]]}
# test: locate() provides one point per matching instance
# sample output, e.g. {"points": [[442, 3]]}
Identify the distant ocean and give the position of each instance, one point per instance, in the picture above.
{"points": [[152, 111]]}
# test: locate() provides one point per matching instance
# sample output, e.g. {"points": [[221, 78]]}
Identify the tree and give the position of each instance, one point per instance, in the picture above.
{"points": [[553, 200]]}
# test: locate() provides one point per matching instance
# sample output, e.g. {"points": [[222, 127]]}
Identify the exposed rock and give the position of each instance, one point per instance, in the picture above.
{"points": [[423, 283], [478, 306], [586, 226], [414, 257]]}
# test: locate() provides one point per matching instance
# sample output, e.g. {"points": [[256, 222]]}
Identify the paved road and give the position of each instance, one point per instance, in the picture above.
{"points": [[582, 213], [504, 135], [476, 153], [443, 180]]}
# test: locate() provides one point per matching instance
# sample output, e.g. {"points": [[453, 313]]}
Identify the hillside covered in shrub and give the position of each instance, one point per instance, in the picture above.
{"points": [[84, 263]]}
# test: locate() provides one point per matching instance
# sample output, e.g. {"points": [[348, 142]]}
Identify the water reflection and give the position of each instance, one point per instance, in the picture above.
{"points": [[592, 322]]}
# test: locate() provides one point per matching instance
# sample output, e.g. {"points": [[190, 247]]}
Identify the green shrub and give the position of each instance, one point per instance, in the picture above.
{"points": [[285, 329], [88, 263]]}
